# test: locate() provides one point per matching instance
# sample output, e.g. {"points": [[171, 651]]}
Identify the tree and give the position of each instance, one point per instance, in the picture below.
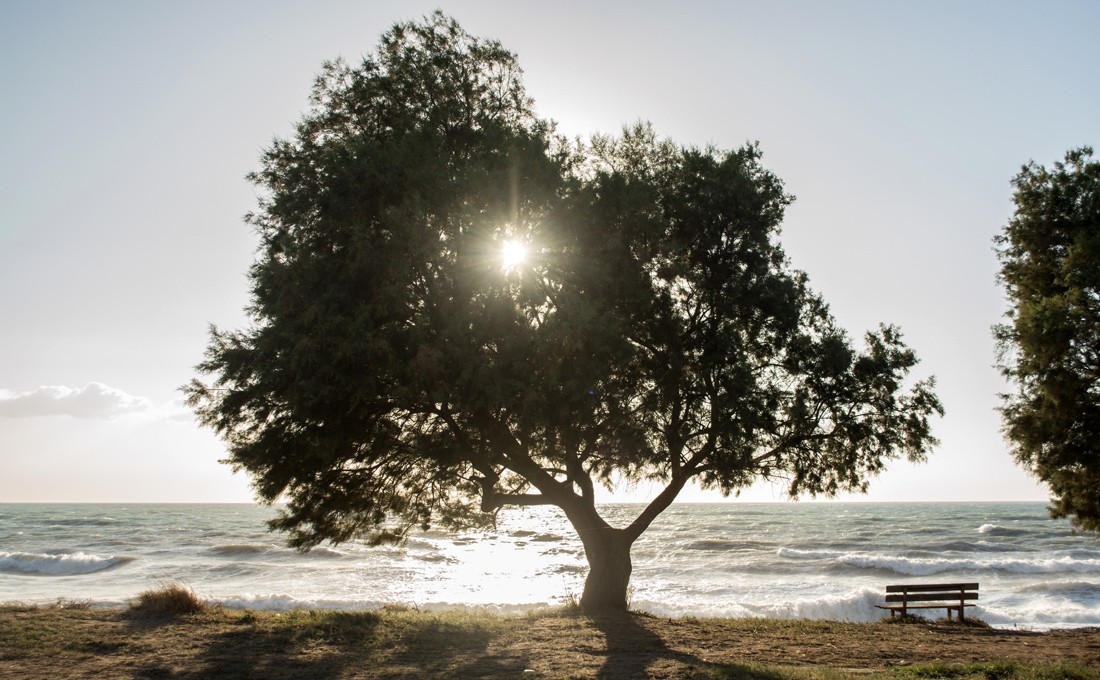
{"points": [[1050, 268], [396, 374]]}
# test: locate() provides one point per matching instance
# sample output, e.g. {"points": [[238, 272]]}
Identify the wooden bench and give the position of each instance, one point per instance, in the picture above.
{"points": [[949, 596]]}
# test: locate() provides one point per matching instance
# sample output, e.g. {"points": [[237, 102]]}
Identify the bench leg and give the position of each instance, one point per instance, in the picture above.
{"points": [[960, 609]]}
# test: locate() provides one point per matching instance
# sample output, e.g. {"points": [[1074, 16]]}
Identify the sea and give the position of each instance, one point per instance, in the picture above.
{"points": [[781, 560]]}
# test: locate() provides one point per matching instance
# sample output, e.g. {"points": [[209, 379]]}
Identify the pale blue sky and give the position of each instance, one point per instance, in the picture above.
{"points": [[127, 129]]}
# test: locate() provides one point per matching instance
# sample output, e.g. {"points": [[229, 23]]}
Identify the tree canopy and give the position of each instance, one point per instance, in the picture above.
{"points": [[398, 373], [1050, 348]]}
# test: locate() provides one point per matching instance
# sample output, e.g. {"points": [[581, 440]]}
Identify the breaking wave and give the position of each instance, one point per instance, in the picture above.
{"points": [[74, 564], [996, 530], [242, 549], [927, 566], [858, 605]]}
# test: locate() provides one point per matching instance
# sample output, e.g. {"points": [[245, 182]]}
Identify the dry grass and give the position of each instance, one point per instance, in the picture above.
{"points": [[219, 643], [169, 598]]}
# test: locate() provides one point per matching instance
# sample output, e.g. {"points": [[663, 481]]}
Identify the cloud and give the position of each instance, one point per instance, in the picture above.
{"points": [[94, 400]]}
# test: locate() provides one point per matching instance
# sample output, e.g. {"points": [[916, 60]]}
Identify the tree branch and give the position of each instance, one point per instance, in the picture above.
{"points": [[517, 460], [493, 500], [656, 507]]}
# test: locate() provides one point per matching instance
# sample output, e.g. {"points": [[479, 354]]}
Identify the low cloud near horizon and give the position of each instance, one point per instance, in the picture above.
{"points": [[94, 400], [100, 444]]}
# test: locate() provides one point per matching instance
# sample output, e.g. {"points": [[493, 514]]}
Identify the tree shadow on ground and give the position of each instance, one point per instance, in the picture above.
{"points": [[636, 651], [330, 644]]}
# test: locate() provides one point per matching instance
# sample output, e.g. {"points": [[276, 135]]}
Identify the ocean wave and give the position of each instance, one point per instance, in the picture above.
{"points": [[242, 549], [997, 530], [856, 605], [989, 546], [74, 564], [859, 605], [725, 545], [953, 548], [1073, 589], [233, 570], [83, 522], [436, 558], [934, 531], [925, 566], [1019, 518], [967, 546], [1040, 616], [254, 549], [322, 551]]}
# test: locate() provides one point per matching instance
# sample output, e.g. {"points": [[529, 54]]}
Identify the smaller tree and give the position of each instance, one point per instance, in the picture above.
{"points": [[1050, 347]]}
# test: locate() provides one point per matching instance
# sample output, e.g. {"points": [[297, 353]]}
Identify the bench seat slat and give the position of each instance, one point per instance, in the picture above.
{"points": [[932, 597], [898, 607], [928, 587]]}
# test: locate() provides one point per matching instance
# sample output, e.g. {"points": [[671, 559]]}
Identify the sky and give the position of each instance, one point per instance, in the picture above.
{"points": [[127, 130]]}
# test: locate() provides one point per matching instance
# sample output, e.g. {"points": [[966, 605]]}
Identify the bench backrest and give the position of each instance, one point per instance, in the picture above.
{"points": [[928, 587], [932, 592]]}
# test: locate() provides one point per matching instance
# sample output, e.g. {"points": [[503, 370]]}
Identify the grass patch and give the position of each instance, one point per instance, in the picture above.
{"points": [[79, 605], [997, 670], [752, 672], [905, 619], [53, 641], [972, 621], [170, 598], [62, 635], [939, 671]]}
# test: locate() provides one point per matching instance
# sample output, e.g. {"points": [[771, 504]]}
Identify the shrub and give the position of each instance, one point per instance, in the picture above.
{"points": [[171, 598]]}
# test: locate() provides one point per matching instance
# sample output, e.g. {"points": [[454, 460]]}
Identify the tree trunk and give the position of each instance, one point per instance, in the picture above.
{"points": [[608, 552]]}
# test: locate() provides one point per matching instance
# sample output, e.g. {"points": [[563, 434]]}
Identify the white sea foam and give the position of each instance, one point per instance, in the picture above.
{"points": [[282, 602], [856, 605], [57, 565], [1039, 616], [322, 551], [928, 566]]}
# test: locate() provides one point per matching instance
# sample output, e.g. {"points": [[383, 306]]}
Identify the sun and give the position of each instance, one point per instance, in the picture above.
{"points": [[512, 254]]}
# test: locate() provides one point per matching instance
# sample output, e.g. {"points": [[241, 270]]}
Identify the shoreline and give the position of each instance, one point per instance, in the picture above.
{"points": [[401, 642]]}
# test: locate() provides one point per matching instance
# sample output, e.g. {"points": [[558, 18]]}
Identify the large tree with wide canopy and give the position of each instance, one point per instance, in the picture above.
{"points": [[453, 311]]}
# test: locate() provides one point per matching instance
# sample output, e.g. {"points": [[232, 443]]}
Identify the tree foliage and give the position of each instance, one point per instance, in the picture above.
{"points": [[396, 375], [1050, 347]]}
